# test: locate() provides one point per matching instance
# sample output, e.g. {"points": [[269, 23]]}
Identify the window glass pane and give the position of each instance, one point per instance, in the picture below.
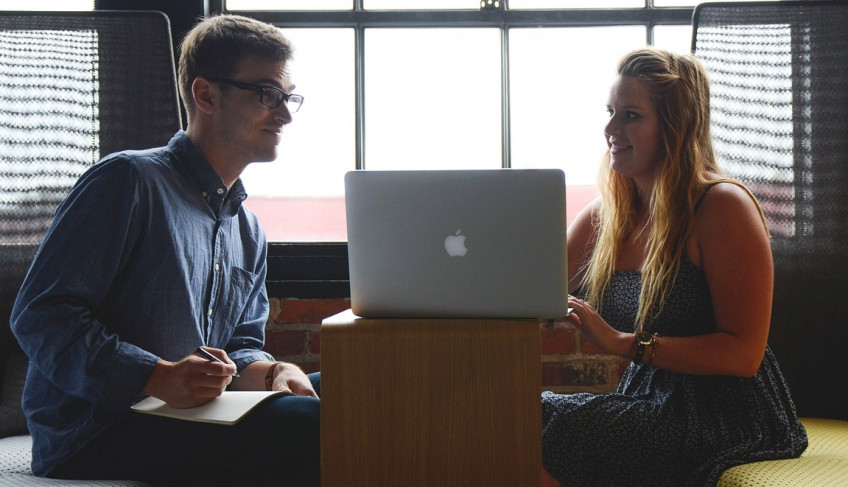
{"points": [[289, 4], [432, 98], [544, 4], [676, 3], [420, 4], [39, 5], [299, 197], [684, 3], [558, 97], [675, 38]]}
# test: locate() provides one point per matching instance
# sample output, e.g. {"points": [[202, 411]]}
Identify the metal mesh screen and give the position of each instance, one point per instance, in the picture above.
{"points": [[49, 129], [780, 113], [778, 73], [73, 88]]}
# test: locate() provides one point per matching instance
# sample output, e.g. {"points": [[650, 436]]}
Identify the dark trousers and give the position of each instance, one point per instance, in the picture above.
{"points": [[278, 443]]}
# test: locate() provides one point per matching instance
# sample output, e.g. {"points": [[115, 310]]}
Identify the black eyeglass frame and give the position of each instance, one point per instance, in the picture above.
{"points": [[262, 91]]}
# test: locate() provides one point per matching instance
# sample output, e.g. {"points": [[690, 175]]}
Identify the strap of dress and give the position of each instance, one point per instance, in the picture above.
{"points": [[710, 186], [737, 183]]}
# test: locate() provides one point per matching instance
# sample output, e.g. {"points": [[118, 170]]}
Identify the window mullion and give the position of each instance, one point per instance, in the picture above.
{"points": [[359, 73], [505, 117]]}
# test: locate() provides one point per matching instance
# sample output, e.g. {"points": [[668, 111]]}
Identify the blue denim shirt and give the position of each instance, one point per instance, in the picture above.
{"points": [[149, 256]]}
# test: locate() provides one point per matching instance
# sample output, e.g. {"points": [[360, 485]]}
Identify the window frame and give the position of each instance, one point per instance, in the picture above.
{"points": [[320, 269]]}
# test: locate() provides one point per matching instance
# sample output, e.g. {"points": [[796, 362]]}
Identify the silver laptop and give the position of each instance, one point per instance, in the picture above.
{"points": [[457, 243]]}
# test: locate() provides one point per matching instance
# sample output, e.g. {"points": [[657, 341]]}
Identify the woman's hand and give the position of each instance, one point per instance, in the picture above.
{"points": [[596, 330]]}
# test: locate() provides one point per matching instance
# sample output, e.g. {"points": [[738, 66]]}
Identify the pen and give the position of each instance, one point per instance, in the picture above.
{"points": [[213, 358]]}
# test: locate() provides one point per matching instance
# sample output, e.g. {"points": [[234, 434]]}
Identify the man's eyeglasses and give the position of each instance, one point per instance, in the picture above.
{"points": [[269, 96]]}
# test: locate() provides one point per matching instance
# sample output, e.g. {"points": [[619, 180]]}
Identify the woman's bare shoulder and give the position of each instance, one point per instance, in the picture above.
{"points": [[726, 198], [728, 219]]}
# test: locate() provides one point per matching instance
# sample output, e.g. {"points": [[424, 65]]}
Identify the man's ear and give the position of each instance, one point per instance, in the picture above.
{"points": [[206, 95]]}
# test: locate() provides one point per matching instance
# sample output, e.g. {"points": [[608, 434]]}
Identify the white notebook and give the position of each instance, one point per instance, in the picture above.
{"points": [[227, 408], [457, 243]]}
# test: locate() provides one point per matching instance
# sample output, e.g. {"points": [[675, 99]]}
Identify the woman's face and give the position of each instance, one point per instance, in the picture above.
{"points": [[633, 130]]}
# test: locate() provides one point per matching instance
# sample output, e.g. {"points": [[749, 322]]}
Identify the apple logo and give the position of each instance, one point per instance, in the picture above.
{"points": [[455, 244]]}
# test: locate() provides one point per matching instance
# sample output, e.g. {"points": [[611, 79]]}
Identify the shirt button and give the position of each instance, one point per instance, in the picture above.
{"points": [[217, 267], [205, 194], [220, 190], [210, 312]]}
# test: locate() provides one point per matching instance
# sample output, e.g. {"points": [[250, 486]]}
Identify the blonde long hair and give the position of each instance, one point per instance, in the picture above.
{"points": [[679, 89]]}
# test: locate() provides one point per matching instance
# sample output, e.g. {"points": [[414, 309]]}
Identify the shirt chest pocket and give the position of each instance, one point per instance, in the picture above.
{"points": [[232, 300]]}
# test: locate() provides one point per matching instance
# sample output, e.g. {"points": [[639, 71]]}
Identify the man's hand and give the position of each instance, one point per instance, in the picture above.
{"points": [[191, 382], [290, 378]]}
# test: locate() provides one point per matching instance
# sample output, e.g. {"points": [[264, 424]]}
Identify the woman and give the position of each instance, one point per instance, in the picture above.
{"points": [[674, 265]]}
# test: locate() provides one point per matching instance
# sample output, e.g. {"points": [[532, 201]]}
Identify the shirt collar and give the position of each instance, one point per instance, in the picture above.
{"points": [[210, 186]]}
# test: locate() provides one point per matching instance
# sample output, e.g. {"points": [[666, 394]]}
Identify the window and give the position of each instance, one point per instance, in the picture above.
{"points": [[430, 83], [412, 84], [45, 5], [298, 197]]}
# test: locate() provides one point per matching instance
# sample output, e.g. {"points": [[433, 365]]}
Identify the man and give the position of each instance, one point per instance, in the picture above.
{"points": [[150, 257]]}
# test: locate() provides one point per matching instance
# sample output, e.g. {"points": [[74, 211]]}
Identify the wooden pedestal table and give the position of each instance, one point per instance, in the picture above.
{"points": [[430, 402]]}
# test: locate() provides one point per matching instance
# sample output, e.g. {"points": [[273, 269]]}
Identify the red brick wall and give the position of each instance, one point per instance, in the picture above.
{"points": [[293, 330], [569, 362]]}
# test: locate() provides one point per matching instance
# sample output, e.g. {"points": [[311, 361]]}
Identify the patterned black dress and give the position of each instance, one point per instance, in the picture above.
{"points": [[663, 428]]}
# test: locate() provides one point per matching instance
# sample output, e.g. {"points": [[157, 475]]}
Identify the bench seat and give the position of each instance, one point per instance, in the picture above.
{"points": [[823, 464]]}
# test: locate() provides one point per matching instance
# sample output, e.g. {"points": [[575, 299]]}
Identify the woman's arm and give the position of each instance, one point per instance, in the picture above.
{"points": [[581, 239], [730, 243]]}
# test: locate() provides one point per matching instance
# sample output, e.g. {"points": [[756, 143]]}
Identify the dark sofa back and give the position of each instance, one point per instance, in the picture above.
{"points": [[14, 263]]}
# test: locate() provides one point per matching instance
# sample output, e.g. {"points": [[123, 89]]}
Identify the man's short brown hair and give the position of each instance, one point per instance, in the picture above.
{"points": [[214, 47]]}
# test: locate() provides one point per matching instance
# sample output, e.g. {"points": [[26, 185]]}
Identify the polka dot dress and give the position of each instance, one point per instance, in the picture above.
{"points": [[662, 428]]}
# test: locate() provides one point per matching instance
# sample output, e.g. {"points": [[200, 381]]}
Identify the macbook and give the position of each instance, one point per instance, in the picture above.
{"points": [[457, 243]]}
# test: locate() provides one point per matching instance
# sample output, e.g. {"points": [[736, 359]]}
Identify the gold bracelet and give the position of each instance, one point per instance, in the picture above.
{"points": [[642, 340], [654, 346], [269, 376]]}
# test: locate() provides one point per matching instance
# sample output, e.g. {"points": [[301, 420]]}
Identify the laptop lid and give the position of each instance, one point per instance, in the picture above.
{"points": [[457, 243]]}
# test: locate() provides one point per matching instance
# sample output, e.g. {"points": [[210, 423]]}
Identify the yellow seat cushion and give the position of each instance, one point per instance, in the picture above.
{"points": [[823, 463]]}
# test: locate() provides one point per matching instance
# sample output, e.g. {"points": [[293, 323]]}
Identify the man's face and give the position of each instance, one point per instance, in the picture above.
{"points": [[251, 130]]}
